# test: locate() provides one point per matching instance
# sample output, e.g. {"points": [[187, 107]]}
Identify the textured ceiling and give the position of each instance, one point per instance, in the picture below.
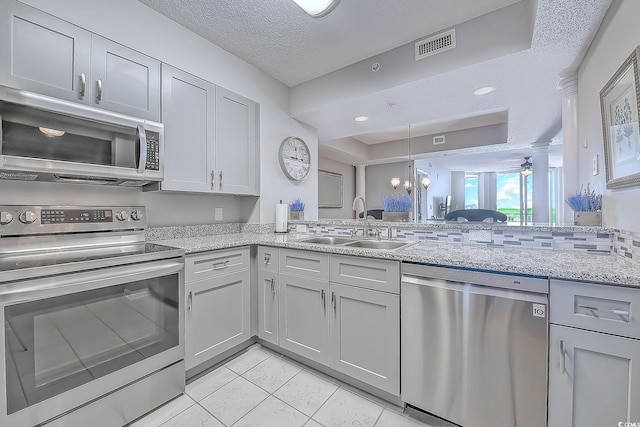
{"points": [[277, 37]]}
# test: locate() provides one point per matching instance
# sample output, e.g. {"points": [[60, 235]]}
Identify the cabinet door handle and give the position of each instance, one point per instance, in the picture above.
{"points": [[323, 300], [190, 302], [562, 357], [221, 265], [594, 310], [333, 300], [273, 287], [220, 182], [213, 178], [99, 94], [83, 84]]}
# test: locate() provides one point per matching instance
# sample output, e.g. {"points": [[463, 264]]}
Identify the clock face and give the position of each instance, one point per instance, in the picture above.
{"points": [[295, 159]]}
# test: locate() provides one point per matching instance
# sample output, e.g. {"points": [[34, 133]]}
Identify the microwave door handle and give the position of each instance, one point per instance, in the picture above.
{"points": [[142, 148]]}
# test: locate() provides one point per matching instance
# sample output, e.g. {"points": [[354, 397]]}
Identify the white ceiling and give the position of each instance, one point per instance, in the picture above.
{"points": [[279, 38]]}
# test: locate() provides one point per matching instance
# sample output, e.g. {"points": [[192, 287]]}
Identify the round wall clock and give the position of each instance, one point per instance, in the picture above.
{"points": [[294, 157]]}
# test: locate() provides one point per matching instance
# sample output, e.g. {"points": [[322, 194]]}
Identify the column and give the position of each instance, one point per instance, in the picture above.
{"points": [[540, 160], [360, 181], [570, 144]]}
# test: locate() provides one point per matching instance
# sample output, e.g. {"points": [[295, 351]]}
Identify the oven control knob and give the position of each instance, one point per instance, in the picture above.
{"points": [[122, 215], [5, 218], [136, 215], [27, 217]]}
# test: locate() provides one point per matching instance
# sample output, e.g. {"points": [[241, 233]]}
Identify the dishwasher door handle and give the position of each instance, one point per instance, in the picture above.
{"points": [[472, 288]]}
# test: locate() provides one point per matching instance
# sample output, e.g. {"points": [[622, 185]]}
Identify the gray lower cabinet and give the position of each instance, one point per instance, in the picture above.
{"points": [[303, 317], [268, 306], [365, 335], [43, 54], [218, 299], [593, 380], [593, 353]]}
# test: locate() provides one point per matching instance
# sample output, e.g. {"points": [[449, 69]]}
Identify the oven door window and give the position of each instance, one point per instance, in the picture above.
{"points": [[59, 343]]}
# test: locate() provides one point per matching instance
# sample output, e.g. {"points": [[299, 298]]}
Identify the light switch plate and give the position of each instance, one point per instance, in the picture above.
{"points": [[301, 228], [217, 212], [595, 167]]}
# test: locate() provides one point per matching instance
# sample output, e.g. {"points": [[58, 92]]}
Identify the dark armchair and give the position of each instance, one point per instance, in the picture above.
{"points": [[476, 215]]}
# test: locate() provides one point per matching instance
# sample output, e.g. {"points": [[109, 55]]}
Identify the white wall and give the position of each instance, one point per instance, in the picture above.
{"points": [[378, 182], [137, 26], [440, 184], [618, 35], [348, 189]]}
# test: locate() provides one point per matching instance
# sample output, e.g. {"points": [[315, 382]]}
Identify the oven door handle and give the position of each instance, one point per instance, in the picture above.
{"points": [[84, 281]]}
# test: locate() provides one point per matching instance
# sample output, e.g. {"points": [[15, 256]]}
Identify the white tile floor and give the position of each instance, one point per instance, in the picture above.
{"points": [[262, 388]]}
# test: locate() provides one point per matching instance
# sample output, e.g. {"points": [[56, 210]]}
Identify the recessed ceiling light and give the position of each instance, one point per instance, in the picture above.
{"points": [[484, 90], [361, 118]]}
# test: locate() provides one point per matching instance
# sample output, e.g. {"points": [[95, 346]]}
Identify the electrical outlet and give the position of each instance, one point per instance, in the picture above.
{"points": [[480, 235], [301, 228], [217, 212]]}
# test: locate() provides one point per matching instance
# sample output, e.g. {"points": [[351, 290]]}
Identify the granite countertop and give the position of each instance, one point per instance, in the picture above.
{"points": [[571, 265]]}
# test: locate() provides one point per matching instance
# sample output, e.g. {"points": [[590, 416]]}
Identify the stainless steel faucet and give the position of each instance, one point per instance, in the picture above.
{"points": [[364, 214]]}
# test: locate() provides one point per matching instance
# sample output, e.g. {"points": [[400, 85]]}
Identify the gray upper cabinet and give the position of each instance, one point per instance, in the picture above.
{"points": [[236, 143], [43, 54], [124, 80], [188, 114], [210, 137]]}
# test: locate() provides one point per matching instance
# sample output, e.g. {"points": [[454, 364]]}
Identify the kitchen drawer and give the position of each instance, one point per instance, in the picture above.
{"points": [[600, 308], [313, 265], [216, 263], [268, 258], [376, 274]]}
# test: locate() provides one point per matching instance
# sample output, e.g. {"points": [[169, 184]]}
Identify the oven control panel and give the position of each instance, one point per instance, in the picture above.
{"points": [[25, 220]]}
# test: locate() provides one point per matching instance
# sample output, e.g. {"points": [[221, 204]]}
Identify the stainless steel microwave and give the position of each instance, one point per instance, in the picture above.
{"points": [[48, 139]]}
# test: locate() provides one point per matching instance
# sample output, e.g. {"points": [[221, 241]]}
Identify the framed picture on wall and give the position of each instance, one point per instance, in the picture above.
{"points": [[619, 100], [329, 189]]}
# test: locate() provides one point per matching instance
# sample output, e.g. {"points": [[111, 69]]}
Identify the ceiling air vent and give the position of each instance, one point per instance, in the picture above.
{"points": [[436, 44], [438, 140]]}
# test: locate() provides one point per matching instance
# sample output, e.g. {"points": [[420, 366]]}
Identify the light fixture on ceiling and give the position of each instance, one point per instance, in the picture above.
{"points": [[484, 90], [51, 133], [317, 8], [526, 168], [395, 181], [426, 182], [409, 183], [361, 118]]}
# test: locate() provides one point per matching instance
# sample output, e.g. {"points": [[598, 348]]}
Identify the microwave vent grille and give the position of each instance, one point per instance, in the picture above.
{"points": [[18, 176]]}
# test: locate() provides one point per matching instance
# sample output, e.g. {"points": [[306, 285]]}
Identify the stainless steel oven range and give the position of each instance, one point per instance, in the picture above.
{"points": [[93, 330]]}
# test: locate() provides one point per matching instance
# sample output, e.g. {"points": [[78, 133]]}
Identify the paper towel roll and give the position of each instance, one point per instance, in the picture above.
{"points": [[282, 212]]}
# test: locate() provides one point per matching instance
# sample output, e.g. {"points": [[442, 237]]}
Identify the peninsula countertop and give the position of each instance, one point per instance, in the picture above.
{"points": [[572, 265]]}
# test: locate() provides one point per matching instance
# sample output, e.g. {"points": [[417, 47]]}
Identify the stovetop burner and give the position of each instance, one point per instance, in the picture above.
{"points": [[45, 240]]}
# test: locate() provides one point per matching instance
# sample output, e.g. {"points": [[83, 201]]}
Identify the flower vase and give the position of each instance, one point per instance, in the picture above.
{"points": [[587, 218], [395, 216], [298, 215]]}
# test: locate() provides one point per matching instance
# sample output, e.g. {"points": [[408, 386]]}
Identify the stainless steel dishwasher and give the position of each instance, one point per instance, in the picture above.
{"points": [[474, 346]]}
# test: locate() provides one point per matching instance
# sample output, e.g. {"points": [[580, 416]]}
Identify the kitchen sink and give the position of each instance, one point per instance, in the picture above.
{"points": [[377, 244], [327, 240], [354, 243]]}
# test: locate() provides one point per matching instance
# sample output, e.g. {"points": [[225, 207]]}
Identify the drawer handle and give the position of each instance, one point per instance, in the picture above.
{"points": [[190, 302], [267, 258], [562, 357], [594, 310], [221, 265], [213, 179]]}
